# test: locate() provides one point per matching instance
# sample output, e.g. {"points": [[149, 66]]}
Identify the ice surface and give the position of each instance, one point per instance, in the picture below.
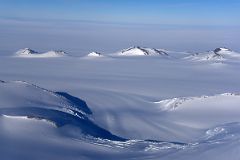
{"points": [[164, 106]]}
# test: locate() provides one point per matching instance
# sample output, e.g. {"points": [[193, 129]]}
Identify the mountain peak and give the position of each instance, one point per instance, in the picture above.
{"points": [[94, 54], [141, 51], [29, 53], [219, 54], [26, 51], [217, 50]]}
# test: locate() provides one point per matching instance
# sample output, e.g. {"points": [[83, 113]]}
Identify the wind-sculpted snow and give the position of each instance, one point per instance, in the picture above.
{"points": [[213, 144], [144, 107], [76, 102], [58, 107], [225, 132], [26, 94], [174, 103], [79, 123]]}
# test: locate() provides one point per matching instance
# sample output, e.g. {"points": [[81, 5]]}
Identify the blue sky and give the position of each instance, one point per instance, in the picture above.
{"points": [[187, 12], [81, 26]]}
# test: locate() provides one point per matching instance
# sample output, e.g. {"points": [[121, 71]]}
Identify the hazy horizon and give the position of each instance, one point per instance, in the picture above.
{"points": [[82, 26]]}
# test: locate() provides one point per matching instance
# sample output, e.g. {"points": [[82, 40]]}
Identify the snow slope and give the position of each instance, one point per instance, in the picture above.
{"points": [[172, 104], [59, 108], [29, 53], [64, 119], [204, 111]]}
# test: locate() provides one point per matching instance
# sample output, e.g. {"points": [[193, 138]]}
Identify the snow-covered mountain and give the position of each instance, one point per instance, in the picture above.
{"points": [[217, 55], [26, 51], [141, 51], [94, 54], [222, 50], [29, 53], [227, 53]]}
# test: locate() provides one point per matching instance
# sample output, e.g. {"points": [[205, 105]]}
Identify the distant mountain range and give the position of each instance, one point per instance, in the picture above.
{"points": [[217, 55], [29, 53]]}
